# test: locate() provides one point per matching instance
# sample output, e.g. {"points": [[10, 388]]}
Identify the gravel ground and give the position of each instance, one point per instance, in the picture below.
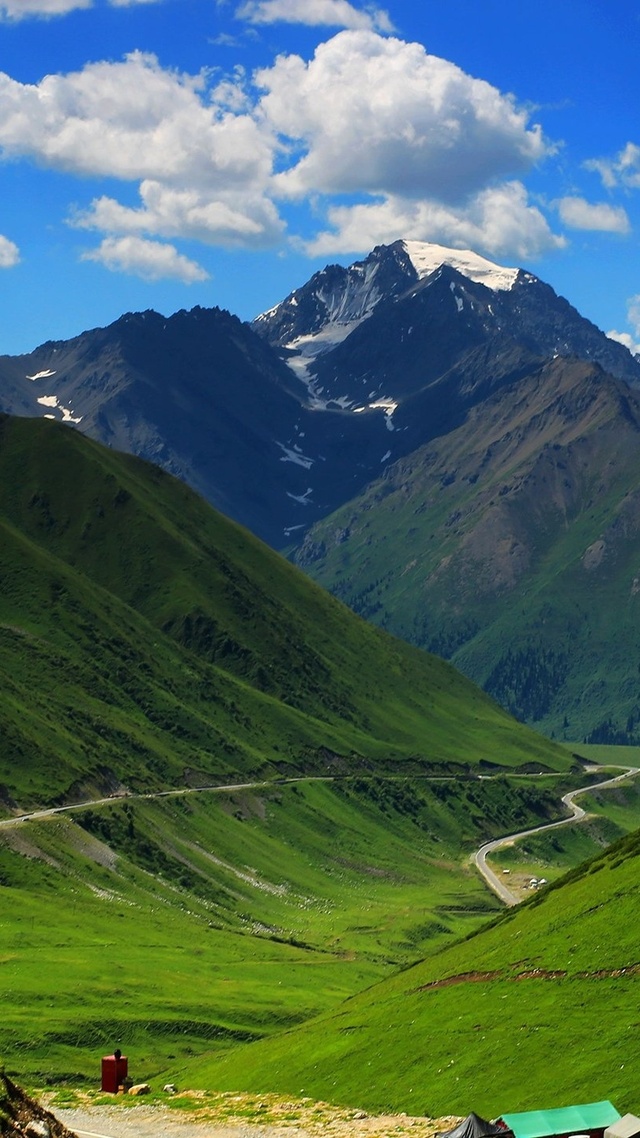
{"points": [[237, 1116]]}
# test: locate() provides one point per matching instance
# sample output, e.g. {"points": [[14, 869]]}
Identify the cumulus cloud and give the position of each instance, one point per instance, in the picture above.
{"points": [[580, 214], [236, 219], [622, 170], [414, 146], [630, 340], [627, 339], [498, 221], [314, 13], [9, 253], [136, 121], [381, 115], [150, 260], [132, 120], [22, 9]]}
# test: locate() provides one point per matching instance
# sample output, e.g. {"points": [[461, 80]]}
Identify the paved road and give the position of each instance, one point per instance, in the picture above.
{"points": [[577, 815]]}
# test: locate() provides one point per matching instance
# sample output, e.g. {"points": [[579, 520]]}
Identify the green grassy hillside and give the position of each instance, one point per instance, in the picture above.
{"points": [[145, 639], [147, 643], [540, 1006], [511, 547], [185, 924]]}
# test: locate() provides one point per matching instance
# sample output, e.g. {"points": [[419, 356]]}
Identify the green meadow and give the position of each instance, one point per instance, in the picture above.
{"points": [[176, 926], [540, 1006], [264, 935]]}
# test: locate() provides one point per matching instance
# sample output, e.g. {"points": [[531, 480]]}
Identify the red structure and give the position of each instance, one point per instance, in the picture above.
{"points": [[114, 1072]]}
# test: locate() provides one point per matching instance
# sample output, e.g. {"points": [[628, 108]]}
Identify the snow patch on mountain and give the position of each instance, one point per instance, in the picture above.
{"points": [[53, 402], [307, 348], [303, 499], [41, 375], [295, 456], [357, 299], [427, 257], [388, 406]]}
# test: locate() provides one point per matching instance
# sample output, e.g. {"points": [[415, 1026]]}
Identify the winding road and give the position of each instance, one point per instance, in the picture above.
{"points": [[479, 858], [577, 815]]}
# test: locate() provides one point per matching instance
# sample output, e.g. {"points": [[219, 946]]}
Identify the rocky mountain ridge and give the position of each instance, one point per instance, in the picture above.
{"points": [[280, 424], [380, 384]]}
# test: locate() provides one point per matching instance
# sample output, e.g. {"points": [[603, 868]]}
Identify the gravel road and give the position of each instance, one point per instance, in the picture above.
{"points": [[300, 1119]]}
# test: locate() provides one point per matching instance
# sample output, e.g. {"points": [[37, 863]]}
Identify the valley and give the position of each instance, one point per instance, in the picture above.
{"points": [[238, 820], [281, 899], [193, 924]]}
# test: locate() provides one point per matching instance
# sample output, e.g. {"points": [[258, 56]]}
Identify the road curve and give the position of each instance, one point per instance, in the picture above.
{"points": [[479, 858], [577, 815]]}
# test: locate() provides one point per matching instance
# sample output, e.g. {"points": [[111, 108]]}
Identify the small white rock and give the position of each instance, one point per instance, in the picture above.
{"points": [[38, 1128]]}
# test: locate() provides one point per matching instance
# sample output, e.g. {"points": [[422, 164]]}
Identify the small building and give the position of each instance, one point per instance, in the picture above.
{"points": [[589, 1120], [627, 1127]]}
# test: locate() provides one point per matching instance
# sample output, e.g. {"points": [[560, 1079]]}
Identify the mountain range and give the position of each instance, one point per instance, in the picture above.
{"points": [[272, 801], [241, 934], [443, 442], [145, 640]]}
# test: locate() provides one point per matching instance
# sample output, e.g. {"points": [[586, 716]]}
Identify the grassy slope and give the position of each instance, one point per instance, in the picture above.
{"points": [[511, 546], [544, 1001], [187, 923], [143, 634]]}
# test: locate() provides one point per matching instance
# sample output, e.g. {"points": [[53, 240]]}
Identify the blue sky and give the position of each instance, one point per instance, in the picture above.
{"points": [[167, 153]]}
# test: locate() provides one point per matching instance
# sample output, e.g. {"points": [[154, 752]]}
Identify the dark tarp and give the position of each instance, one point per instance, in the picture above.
{"points": [[475, 1127]]}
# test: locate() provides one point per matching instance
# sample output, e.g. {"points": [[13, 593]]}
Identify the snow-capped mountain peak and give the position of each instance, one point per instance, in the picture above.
{"points": [[426, 258], [335, 300]]}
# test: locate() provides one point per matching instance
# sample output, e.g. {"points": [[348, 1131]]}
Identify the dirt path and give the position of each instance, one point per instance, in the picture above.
{"points": [[242, 1116]]}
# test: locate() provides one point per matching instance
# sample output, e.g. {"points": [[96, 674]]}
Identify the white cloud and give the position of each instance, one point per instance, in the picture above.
{"points": [[623, 170], [315, 13], [233, 219], [580, 214], [136, 121], [22, 9], [133, 120], [9, 253], [630, 341], [416, 147], [380, 115], [147, 259], [498, 221], [627, 339]]}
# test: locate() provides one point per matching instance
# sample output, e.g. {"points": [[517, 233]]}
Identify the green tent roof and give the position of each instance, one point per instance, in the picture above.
{"points": [[566, 1120]]}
